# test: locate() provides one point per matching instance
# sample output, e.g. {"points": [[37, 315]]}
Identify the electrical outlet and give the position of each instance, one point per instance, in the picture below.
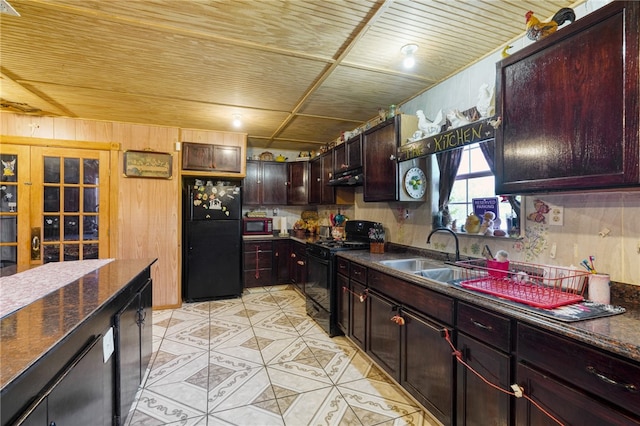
{"points": [[556, 215], [552, 252]]}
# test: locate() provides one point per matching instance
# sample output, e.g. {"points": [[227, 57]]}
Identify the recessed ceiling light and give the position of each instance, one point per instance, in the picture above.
{"points": [[409, 59]]}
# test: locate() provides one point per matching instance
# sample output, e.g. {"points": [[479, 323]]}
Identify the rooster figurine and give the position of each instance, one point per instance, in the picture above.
{"points": [[537, 30], [430, 128]]}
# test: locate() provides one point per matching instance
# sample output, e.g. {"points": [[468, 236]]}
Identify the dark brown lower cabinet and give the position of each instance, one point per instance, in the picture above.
{"points": [[477, 402], [427, 365], [78, 397], [344, 301], [133, 325], [565, 403], [383, 344], [358, 315], [298, 265], [281, 257], [257, 263]]}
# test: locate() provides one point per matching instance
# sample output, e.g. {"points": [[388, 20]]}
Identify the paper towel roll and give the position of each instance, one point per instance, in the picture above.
{"points": [[283, 225]]}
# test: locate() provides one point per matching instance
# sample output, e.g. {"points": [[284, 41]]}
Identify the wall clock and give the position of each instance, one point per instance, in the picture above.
{"points": [[415, 182]]}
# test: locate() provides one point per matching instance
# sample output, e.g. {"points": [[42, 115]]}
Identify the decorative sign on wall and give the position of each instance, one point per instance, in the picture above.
{"points": [[148, 164], [477, 131]]}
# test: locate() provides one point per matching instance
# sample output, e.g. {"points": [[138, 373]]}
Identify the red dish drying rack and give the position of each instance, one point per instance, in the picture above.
{"points": [[541, 286]]}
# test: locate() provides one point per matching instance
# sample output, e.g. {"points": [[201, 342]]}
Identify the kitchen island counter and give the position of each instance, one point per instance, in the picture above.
{"points": [[56, 325]]}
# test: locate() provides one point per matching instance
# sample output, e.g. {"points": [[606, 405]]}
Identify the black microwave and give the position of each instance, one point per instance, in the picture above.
{"points": [[257, 226]]}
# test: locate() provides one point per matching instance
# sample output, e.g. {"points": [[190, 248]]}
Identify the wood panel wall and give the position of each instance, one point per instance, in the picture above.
{"points": [[147, 219]]}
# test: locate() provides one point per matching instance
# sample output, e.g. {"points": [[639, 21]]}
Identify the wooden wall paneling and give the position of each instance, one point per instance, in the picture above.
{"points": [[26, 125], [147, 223], [145, 213]]}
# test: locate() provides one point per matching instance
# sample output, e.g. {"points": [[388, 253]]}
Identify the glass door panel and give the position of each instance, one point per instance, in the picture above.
{"points": [[14, 199], [73, 186]]}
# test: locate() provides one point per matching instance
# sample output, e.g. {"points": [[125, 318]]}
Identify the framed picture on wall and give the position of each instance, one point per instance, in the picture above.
{"points": [[148, 164]]}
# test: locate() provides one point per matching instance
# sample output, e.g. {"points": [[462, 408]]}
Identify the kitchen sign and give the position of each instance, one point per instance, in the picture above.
{"points": [[477, 131]]}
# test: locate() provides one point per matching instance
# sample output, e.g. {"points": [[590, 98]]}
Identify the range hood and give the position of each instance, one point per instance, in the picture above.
{"points": [[353, 177]]}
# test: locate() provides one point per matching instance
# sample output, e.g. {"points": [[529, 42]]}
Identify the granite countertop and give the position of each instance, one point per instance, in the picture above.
{"points": [[617, 334], [301, 237], [29, 332]]}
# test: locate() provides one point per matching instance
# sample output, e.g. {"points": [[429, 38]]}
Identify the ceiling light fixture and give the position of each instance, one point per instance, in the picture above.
{"points": [[409, 59], [237, 121]]}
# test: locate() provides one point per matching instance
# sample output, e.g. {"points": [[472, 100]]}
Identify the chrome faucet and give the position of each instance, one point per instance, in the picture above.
{"points": [[454, 236]]}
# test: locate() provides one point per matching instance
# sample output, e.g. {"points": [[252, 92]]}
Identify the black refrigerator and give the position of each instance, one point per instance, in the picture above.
{"points": [[211, 240]]}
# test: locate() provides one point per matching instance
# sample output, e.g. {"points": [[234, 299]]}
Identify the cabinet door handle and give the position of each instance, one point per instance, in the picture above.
{"points": [[300, 262], [293, 255], [628, 386], [398, 320], [392, 157], [318, 179], [481, 325], [142, 315]]}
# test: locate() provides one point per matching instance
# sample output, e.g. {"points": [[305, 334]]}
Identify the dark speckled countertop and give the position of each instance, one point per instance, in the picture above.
{"points": [[617, 334], [29, 333]]}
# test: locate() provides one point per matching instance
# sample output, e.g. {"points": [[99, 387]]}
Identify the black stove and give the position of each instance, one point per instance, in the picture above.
{"points": [[320, 288], [338, 245]]}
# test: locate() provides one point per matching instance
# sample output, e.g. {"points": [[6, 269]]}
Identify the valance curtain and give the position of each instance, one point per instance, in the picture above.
{"points": [[448, 163]]}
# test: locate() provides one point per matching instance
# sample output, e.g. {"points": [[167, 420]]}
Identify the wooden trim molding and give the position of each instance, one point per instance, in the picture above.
{"points": [[59, 143]]}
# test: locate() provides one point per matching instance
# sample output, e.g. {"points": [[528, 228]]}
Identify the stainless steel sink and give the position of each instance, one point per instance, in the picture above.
{"points": [[411, 265], [439, 274]]}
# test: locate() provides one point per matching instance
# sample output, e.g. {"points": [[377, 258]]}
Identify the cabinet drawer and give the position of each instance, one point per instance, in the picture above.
{"points": [[257, 278], [251, 246], [260, 261], [343, 266], [490, 328], [358, 273], [425, 301], [616, 380]]}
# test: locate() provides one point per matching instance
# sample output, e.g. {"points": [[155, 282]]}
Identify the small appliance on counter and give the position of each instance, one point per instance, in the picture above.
{"points": [[321, 290], [257, 226]]}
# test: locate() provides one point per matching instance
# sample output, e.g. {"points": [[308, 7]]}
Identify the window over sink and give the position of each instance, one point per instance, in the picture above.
{"points": [[475, 180]]}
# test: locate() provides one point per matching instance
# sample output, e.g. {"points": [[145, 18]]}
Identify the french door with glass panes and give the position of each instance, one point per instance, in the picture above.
{"points": [[55, 205]]}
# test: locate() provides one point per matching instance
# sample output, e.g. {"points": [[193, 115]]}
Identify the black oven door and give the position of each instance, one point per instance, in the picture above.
{"points": [[318, 285]]}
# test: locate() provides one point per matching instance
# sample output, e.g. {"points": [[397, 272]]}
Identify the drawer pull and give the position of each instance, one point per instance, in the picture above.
{"points": [[628, 386], [481, 325]]}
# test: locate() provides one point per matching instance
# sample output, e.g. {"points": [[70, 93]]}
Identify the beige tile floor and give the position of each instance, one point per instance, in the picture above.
{"points": [[259, 360]]}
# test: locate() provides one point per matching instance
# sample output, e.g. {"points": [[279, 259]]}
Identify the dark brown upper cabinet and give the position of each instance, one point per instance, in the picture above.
{"points": [[265, 183], [379, 147], [213, 158], [298, 184], [321, 171], [569, 107]]}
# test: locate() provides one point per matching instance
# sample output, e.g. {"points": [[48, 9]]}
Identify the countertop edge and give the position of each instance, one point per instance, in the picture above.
{"points": [[627, 349]]}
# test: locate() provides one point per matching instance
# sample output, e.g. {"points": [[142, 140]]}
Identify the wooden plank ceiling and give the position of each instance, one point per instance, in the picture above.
{"points": [[298, 72]]}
